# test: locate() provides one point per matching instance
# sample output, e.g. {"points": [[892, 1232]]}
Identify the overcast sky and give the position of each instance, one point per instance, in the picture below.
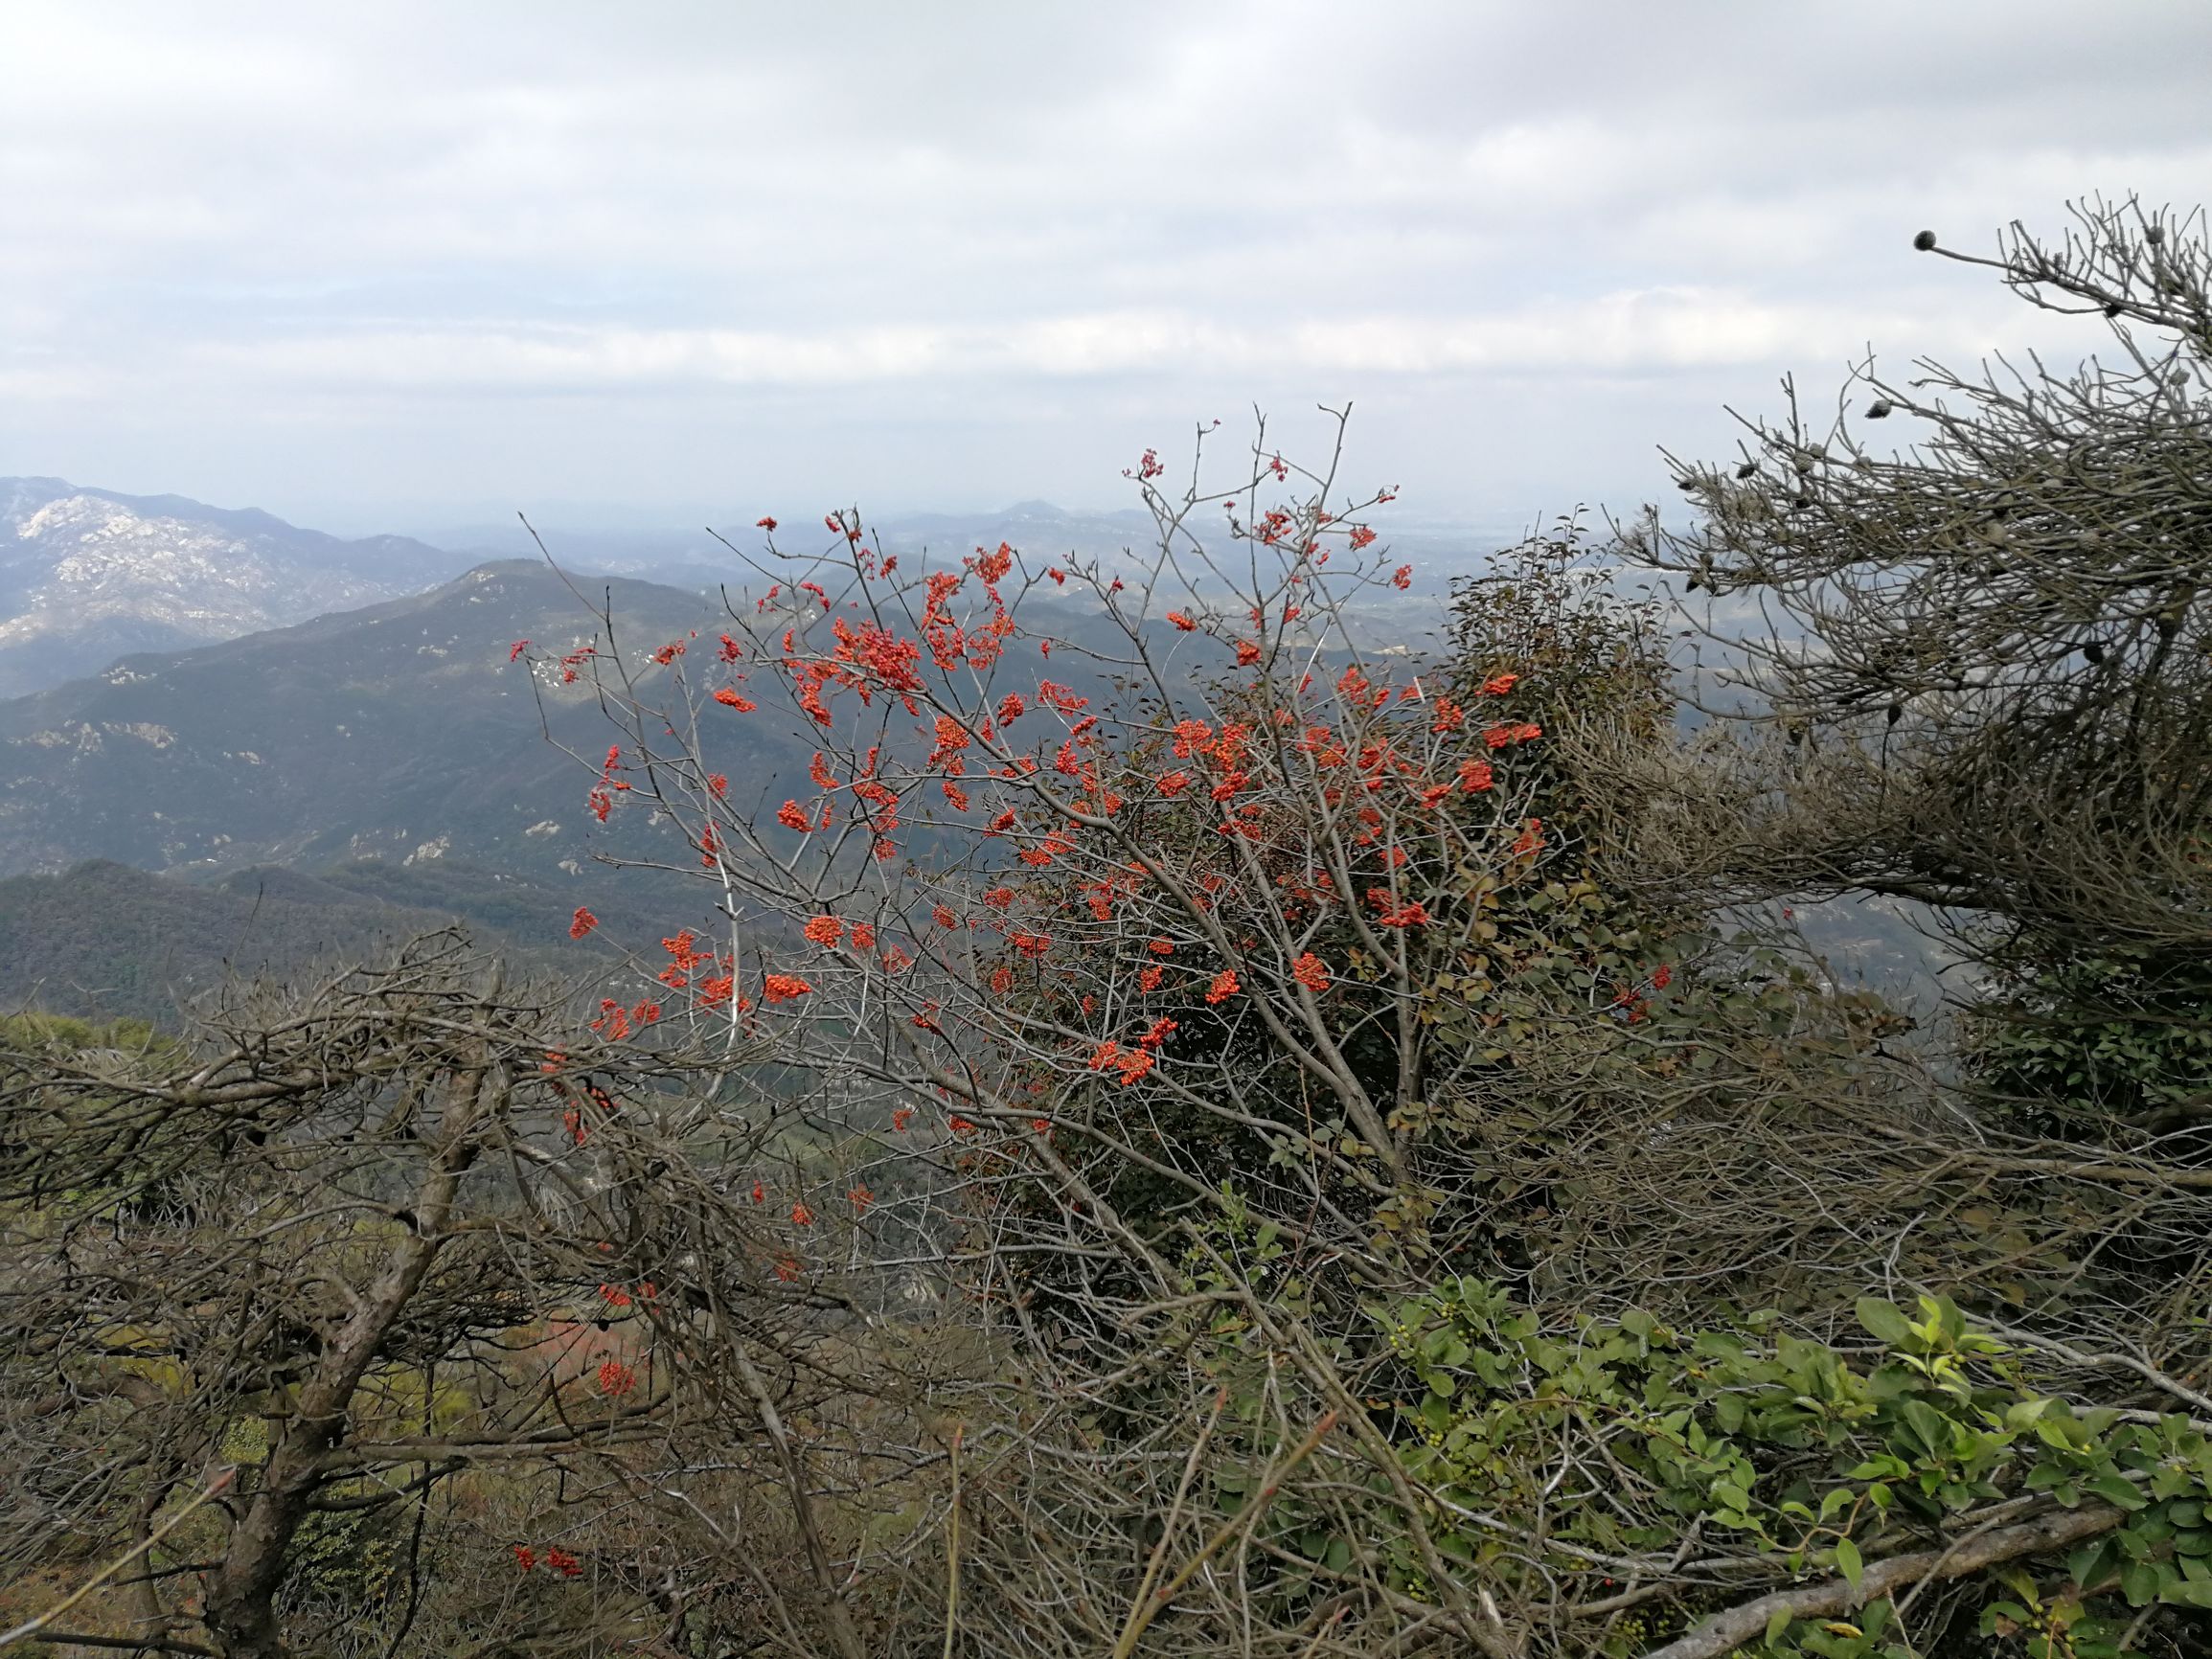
{"points": [[397, 265]]}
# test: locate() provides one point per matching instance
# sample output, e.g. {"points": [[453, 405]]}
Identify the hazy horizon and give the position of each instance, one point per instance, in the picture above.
{"points": [[455, 526]]}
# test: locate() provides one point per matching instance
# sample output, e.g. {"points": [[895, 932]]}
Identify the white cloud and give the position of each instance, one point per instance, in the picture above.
{"points": [[235, 229], [1615, 333]]}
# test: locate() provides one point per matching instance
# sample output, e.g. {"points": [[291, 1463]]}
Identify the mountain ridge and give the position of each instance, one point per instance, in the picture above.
{"points": [[398, 730], [89, 575]]}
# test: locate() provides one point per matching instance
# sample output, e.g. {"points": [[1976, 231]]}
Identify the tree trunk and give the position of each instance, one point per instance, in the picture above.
{"points": [[241, 1594]]}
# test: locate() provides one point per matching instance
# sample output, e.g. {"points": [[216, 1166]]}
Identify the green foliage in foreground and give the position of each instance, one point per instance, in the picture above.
{"points": [[1827, 1460], [2117, 1038]]}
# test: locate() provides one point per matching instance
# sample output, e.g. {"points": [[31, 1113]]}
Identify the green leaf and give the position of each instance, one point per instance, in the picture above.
{"points": [[1777, 1625], [1950, 1322], [1928, 1425], [2116, 1491], [2061, 1433], [1849, 1564], [2092, 1562], [2189, 1593], [1885, 1321]]}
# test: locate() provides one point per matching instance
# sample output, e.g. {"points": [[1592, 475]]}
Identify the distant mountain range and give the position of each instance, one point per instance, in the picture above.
{"points": [[1122, 540], [229, 745], [380, 767], [685, 558], [89, 575], [398, 731], [330, 719]]}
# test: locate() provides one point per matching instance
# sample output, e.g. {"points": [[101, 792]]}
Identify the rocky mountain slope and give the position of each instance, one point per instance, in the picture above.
{"points": [[399, 730], [89, 575]]}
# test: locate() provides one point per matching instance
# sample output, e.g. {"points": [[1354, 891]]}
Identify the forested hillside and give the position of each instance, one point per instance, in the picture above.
{"points": [[382, 731], [106, 941]]}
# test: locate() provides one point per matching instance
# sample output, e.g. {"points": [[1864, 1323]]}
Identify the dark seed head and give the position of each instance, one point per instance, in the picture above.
{"points": [[1924, 241]]}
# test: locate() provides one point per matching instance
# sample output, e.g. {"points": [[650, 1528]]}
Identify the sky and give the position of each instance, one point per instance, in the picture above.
{"points": [[403, 266]]}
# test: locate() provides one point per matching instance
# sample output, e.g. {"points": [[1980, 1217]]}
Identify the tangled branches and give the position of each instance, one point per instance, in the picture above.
{"points": [[1986, 679], [395, 1254], [1242, 1001]]}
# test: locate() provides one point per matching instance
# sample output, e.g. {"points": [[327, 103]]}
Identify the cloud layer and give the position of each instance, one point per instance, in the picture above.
{"points": [[347, 263]]}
